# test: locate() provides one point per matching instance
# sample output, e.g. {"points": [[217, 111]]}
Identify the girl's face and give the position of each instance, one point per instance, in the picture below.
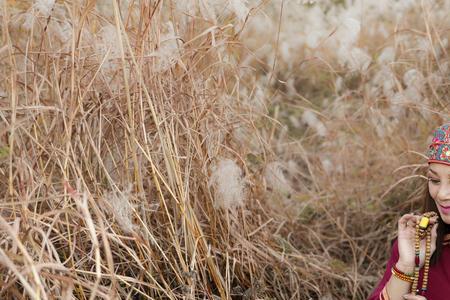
{"points": [[439, 187]]}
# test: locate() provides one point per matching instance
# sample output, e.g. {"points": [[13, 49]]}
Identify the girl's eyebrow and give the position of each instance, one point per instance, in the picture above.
{"points": [[434, 172]]}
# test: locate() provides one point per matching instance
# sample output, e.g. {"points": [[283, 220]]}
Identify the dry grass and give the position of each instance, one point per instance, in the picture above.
{"points": [[157, 150]]}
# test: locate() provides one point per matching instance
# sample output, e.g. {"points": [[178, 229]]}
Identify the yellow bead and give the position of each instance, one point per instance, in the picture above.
{"points": [[424, 221]]}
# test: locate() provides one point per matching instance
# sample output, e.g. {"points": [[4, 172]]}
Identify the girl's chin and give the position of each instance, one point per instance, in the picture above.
{"points": [[446, 220], [444, 217]]}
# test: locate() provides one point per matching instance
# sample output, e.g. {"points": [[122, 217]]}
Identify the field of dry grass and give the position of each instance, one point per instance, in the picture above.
{"points": [[222, 149]]}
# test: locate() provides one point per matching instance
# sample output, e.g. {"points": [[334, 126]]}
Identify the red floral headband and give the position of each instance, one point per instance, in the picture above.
{"points": [[439, 149]]}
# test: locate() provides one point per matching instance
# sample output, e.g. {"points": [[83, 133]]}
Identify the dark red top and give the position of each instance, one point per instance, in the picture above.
{"points": [[438, 276]]}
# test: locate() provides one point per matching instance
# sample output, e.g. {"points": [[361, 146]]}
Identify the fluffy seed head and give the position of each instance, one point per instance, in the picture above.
{"points": [[229, 188]]}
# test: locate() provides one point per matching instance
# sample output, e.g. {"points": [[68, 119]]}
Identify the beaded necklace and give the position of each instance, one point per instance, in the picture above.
{"points": [[422, 230]]}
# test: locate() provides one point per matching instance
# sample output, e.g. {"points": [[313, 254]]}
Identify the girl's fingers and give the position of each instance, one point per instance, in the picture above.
{"points": [[410, 220], [403, 221], [411, 223], [418, 218], [434, 220]]}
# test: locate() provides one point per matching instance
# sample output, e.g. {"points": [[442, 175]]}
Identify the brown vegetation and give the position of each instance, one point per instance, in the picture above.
{"points": [[163, 150]]}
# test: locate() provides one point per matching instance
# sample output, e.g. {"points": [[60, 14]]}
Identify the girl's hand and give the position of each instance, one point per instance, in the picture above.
{"points": [[413, 297], [406, 239]]}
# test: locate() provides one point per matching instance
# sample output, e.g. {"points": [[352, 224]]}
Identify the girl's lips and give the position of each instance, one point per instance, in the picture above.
{"points": [[445, 209]]}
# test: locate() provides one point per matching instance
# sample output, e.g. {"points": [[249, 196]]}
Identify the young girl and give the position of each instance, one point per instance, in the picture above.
{"points": [[396, 282]]}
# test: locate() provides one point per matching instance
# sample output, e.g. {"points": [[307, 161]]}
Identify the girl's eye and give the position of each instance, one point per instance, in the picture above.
{"points": [[433, 181]]}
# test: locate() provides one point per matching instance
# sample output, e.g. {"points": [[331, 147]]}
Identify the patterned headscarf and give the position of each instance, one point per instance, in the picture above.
{"points": [[439, 149]]}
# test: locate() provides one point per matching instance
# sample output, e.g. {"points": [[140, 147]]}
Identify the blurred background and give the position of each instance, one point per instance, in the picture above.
{"points": [[212, 149]]}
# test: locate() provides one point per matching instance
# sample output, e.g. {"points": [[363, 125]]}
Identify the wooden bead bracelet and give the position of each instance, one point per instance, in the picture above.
{"points": [[403, 276]]}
